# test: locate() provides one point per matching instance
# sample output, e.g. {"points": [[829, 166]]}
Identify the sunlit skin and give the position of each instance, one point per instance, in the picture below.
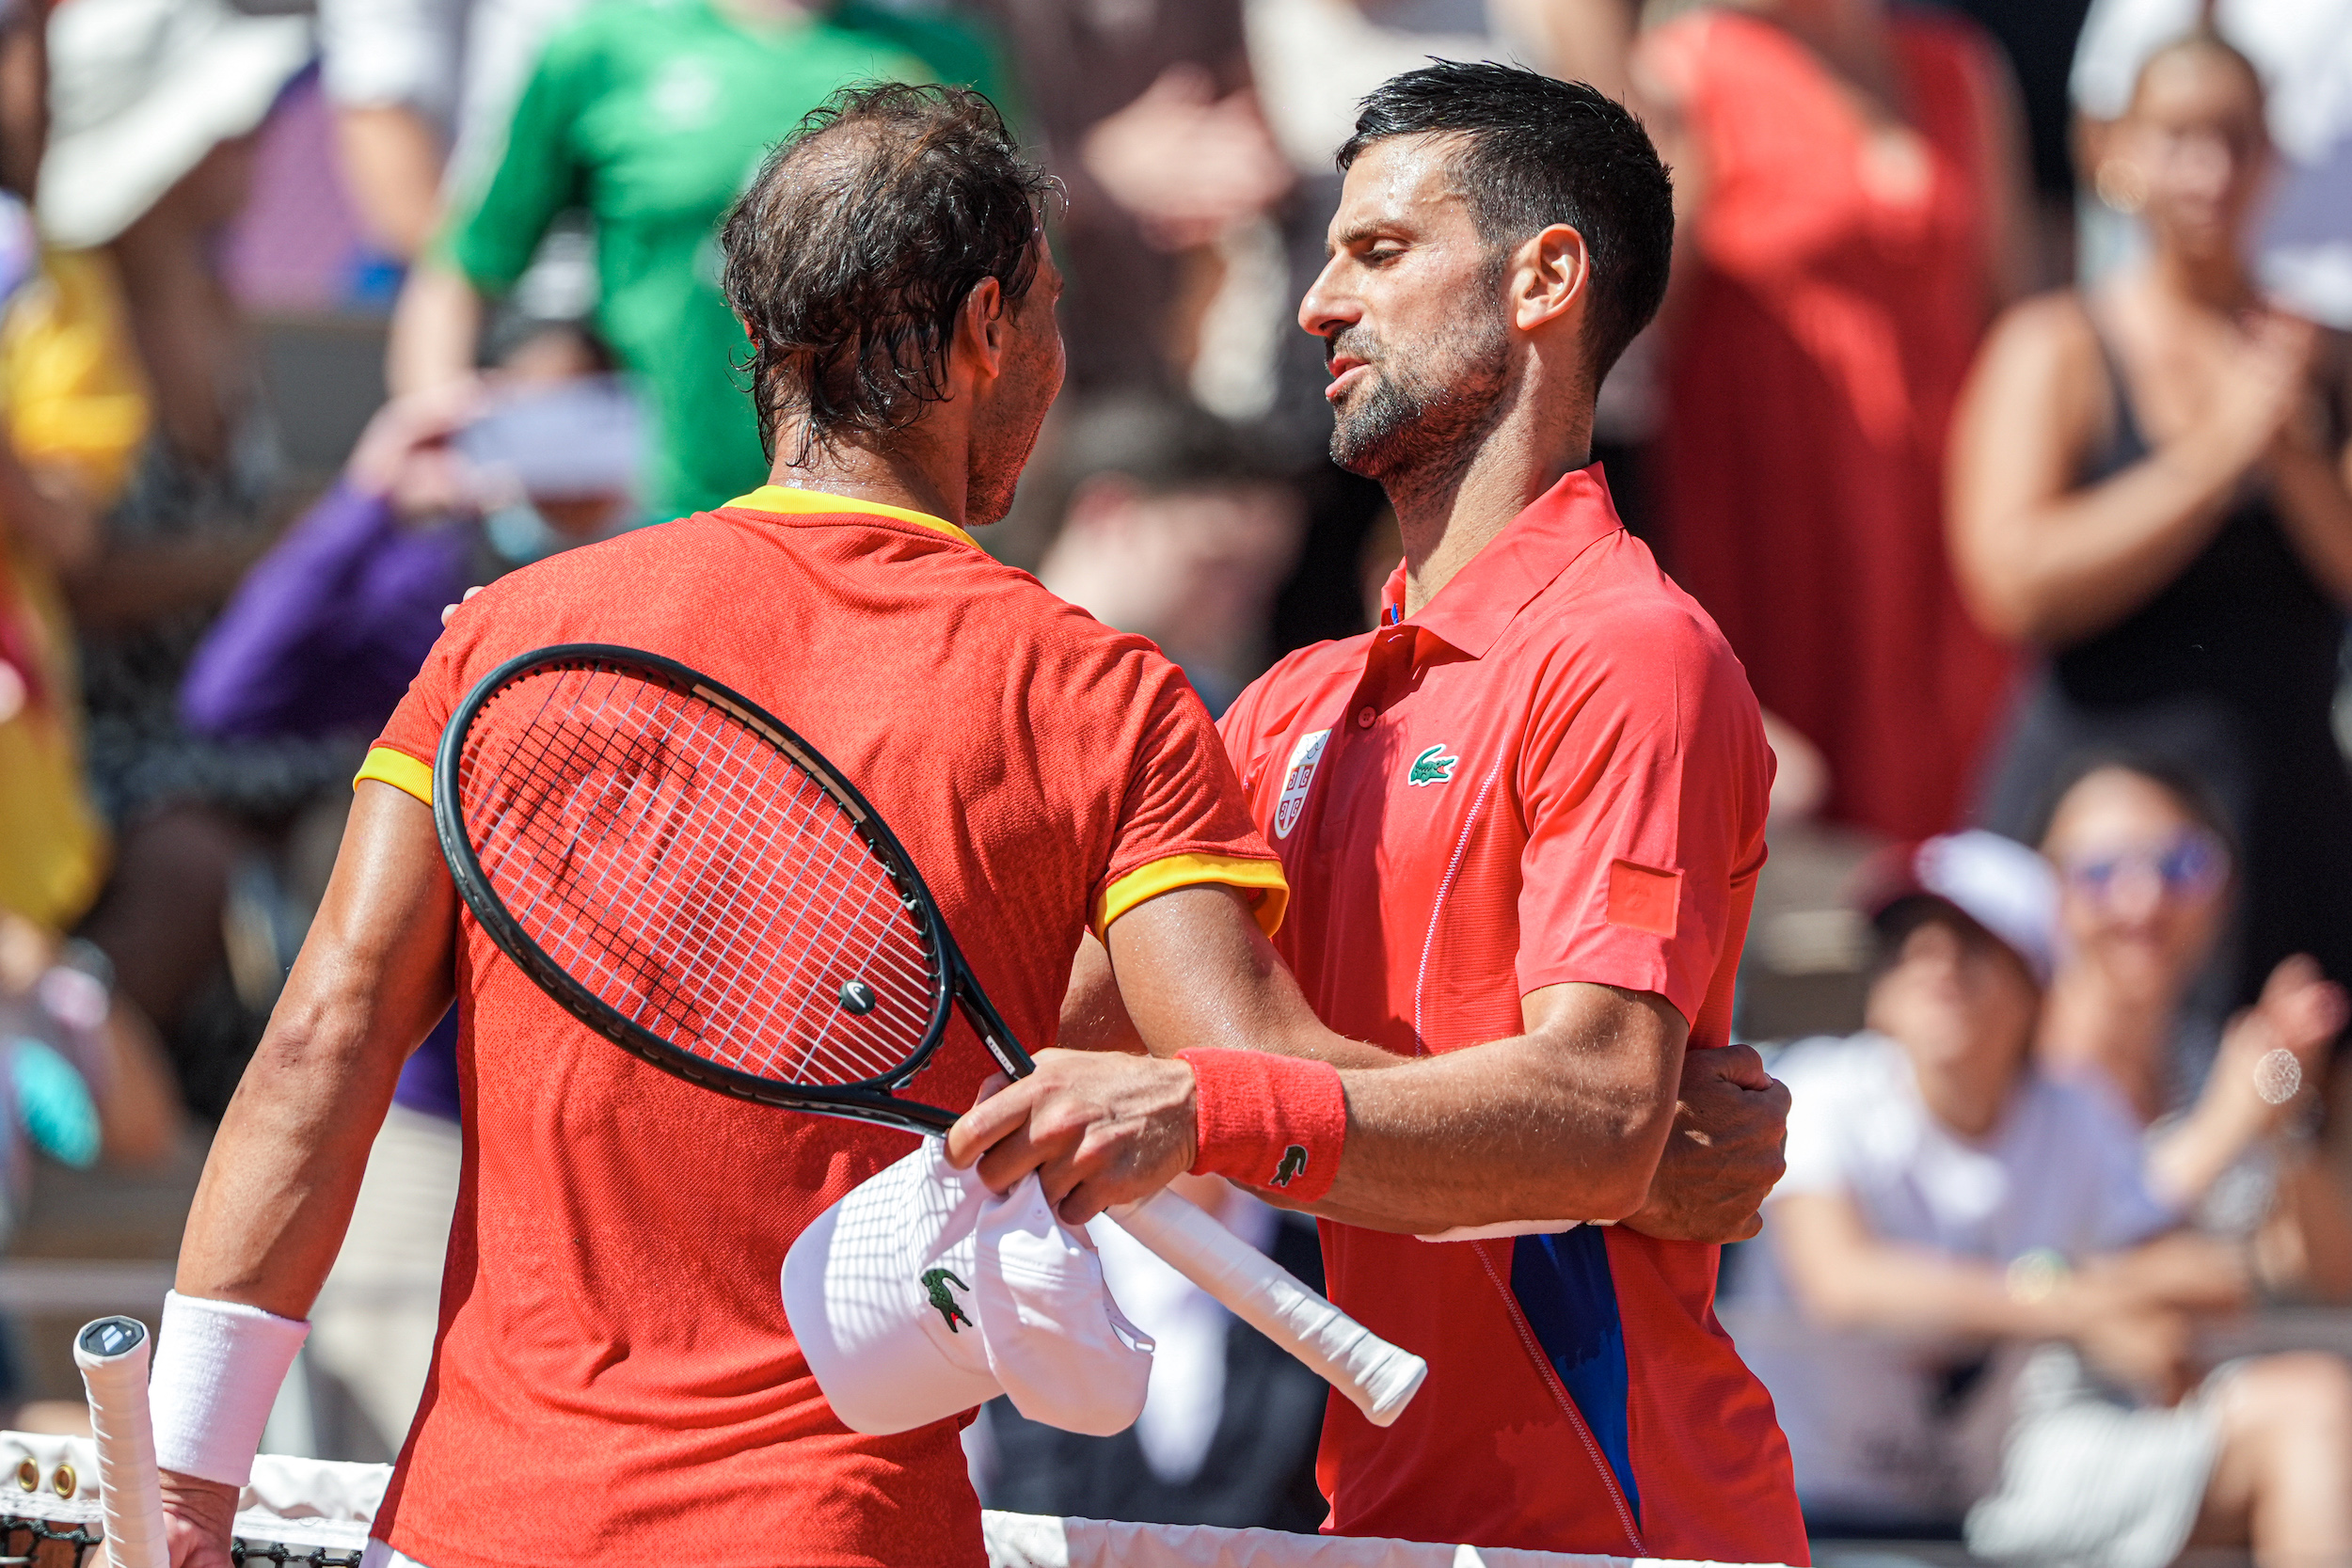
{"points": [[2195, 152], [964, 458], [2135, 943], [2225, 383], [1419, 313]]}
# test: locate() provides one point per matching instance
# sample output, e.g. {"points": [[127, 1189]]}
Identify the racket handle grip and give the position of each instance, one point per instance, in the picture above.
{"points": [[1381, 1378], [113, 1354]]}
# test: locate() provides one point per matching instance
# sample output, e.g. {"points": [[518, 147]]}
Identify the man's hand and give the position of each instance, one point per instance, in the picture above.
{"points": [[1099, 1129], [197, 1518], [1731, 1119]]}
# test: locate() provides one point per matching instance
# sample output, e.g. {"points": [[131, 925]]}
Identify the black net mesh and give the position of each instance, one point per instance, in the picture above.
{"points": [[36, 1543]]}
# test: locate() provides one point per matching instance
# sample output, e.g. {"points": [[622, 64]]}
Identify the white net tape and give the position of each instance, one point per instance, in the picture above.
{"points": [[316, 1512]]}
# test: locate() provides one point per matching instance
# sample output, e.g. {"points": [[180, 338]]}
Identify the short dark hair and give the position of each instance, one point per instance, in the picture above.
{"points": [[857, 243], [1535, 151]]}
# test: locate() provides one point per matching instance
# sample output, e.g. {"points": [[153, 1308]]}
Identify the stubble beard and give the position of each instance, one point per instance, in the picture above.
{"points": [[1415, 433]]}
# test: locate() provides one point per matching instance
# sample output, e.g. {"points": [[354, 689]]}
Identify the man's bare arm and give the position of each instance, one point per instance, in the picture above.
{"points": [[1565, 1121], [374, 976], [1720, 1161]]}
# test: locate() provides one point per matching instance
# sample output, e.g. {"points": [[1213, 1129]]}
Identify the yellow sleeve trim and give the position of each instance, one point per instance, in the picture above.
{"points": [[399, 770], [789, 502], [1269, 894]]}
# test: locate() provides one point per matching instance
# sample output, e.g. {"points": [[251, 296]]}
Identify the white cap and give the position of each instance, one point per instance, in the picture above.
{"points": [[1995, 881], [140, 90], [922, 1294]]}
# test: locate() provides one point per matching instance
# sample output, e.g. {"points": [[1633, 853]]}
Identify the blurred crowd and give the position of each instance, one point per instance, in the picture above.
{"points": [[2000, 413]]}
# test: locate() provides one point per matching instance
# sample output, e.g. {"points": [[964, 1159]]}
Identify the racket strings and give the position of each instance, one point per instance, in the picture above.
{"points": [[678, 1012], [808, 794], [693, 877], [709, 918]]}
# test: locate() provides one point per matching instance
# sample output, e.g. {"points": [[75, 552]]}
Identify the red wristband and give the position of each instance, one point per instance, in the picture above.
{"points": [[1268, 1121]]}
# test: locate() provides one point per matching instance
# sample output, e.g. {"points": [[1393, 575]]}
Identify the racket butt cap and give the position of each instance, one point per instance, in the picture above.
{"points": [[1393, 1387]]}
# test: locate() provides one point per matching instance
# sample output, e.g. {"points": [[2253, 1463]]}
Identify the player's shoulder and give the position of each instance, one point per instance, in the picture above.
{"points": [[1618, 615], [1296, 680]]}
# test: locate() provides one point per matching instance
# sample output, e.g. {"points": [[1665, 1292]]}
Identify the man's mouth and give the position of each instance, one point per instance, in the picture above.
{"points": [[1346, 370]]}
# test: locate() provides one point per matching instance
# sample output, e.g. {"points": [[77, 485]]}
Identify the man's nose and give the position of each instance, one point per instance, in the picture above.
{"points": [[1327, 309]]}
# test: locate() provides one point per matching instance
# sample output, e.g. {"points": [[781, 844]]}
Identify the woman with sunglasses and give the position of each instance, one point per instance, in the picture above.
{"points": [[2145, 877], [2149, 484]]}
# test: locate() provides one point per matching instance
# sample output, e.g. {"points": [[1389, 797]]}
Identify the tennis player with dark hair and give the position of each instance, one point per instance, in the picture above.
{"points": [[1521, 822]]}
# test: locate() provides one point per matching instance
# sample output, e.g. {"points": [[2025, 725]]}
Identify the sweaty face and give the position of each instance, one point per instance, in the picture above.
{"points": [[1410, 309], [1006, 427]]}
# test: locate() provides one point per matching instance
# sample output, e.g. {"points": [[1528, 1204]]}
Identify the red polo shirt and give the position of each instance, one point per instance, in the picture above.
{"points": [[1554, 772]]}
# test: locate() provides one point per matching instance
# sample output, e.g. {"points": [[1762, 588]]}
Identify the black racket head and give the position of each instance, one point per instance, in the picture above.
{"points": [[695, 881]]}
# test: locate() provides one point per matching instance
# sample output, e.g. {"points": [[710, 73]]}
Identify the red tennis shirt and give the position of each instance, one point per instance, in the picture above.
{"points": [[1554, 772], [614, 1370]]}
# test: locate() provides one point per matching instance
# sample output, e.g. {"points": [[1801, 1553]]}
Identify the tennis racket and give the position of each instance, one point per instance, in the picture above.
{"points": [[694, 882], [113, 1354]]}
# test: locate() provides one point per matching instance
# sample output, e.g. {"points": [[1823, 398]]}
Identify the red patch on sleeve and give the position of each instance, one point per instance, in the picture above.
{"points": [[1644, 898]]}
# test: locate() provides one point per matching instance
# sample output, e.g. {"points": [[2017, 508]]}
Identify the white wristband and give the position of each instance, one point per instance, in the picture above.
{"points": [[218, 1368]]}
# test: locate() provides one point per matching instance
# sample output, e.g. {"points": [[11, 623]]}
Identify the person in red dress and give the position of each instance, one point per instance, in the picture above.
{"points": [[1845, 175]]}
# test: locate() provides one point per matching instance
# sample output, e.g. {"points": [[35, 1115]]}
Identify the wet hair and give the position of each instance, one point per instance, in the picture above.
{"points": [[857, 243], [2186, 789], [1535, 151]]}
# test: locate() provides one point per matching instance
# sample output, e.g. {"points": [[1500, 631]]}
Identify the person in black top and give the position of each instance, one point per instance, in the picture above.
{"points": [[2150, 483]]}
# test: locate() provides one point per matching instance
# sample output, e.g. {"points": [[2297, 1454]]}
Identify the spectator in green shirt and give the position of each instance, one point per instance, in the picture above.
{"points": [[650, 114]]}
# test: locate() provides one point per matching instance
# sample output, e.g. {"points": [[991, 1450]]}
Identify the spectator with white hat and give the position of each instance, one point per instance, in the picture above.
{"points": [[1968, 1301]]}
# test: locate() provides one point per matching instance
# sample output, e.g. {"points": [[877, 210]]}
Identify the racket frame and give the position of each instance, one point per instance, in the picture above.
{"points": [[870, 1099]]}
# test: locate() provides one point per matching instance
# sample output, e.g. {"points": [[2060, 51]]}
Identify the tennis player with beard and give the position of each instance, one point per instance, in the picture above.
{"points": [[1522, 823], [613, 1367]]}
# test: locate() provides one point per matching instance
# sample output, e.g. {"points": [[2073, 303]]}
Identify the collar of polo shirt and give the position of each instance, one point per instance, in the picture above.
{"points": [[1535, 546], [790, 502]]}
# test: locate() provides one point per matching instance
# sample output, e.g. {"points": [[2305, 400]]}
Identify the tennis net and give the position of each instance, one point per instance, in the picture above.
{"points": [[315, 1514]]}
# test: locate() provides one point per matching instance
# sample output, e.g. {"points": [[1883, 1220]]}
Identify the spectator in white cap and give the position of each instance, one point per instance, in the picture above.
{"points": [[1970, 1308]]}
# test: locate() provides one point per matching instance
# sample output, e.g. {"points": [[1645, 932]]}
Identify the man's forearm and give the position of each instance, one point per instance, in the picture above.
{"points": [[284, 1169], [373, 975], [437, 329], [1512, 1129]]}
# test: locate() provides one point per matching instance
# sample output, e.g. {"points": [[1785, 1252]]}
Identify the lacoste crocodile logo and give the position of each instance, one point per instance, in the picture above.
{"points": [[950, 1310], [1433, 766], [1294, 1166]]}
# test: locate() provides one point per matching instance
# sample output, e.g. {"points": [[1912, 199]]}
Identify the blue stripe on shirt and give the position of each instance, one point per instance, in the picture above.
{"points": [[1563, 1288]]}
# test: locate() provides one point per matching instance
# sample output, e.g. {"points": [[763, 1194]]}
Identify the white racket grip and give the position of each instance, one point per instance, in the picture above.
{"points": [[113, 1354], [1379, 1377]]}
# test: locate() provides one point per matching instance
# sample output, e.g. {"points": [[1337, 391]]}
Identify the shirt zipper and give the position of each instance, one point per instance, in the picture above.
{"points": [[1560, 1395]]}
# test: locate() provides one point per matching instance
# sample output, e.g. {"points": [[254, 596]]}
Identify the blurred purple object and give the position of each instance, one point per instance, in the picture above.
{"points": [[328, 629]]}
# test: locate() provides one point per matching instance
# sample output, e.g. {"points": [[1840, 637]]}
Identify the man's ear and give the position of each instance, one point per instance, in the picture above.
{"points": [[982, 328], [1550, 276]]}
